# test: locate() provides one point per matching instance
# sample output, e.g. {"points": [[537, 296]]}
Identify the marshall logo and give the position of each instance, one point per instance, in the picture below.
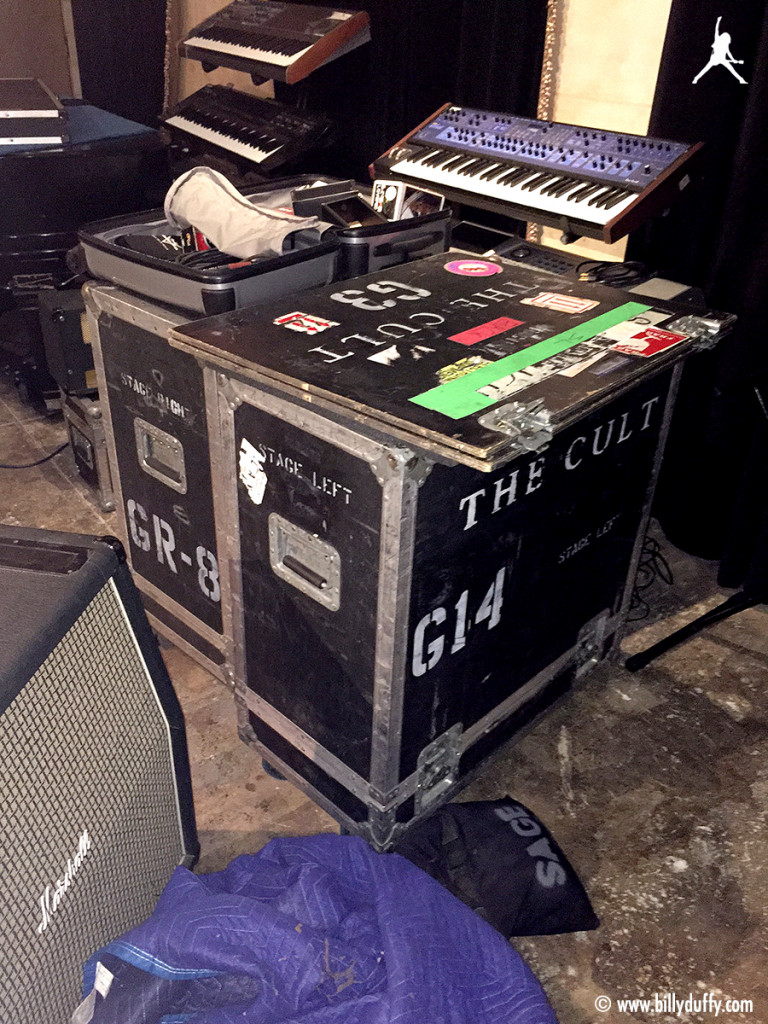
{"points": [[52, 895]]}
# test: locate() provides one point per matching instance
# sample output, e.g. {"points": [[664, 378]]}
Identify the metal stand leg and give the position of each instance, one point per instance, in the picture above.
{"points": [[735, 603]]}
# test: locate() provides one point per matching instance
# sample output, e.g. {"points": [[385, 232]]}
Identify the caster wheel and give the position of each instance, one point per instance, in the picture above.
{"points": [[273, 773]]}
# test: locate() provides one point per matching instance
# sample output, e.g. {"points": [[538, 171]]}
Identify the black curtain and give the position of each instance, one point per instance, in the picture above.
{"points": [[422, 54], [712, 498], [121, 55]]}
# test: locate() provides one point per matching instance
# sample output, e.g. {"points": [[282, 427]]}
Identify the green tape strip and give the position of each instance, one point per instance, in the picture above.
{"points": [[460, 397]]}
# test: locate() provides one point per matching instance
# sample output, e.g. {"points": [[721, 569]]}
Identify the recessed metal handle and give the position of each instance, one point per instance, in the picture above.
{"points": [[304, 560], [161, 455], [305, 572]]}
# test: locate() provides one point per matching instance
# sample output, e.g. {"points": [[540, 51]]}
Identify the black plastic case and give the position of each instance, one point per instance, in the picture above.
{"points": [[367, 249]]}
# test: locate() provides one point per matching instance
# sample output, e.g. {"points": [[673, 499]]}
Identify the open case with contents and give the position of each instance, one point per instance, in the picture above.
{"points": [[165, 272], [145, 254], [372, 247]]}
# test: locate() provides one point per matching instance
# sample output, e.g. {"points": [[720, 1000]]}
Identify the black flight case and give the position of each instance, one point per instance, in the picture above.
{"points": [[109, 165], [435, 483]]}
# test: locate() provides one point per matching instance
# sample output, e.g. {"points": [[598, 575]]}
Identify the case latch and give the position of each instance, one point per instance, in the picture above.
{"points": [[161, 455], [528, 425], [704, 331], [590, 643], [437, 768]]}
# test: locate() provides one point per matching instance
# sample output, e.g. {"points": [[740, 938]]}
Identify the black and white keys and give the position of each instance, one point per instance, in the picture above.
{"points": [[262, 47], [260, 130], [229, 133], [552, 192]]}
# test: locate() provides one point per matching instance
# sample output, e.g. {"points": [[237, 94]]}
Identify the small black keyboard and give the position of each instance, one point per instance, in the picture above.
{"points": [[268, 133]]}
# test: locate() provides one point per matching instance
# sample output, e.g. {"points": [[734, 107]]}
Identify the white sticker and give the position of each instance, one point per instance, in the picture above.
{"points": [[561, 303], [576, 369], [103, 980], [629, 328], [387, 356], [252, 475]]}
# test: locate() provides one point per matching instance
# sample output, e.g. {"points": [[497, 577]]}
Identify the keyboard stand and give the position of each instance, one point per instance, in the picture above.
{"points": [[736, 603]]}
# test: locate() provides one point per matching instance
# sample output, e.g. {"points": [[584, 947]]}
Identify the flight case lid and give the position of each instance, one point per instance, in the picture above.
{"points": [[472, 359]]}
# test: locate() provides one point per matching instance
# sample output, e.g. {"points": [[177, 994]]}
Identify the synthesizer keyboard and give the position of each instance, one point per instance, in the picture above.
{"points": [[274, 40], [585, 181], [268, 133]]}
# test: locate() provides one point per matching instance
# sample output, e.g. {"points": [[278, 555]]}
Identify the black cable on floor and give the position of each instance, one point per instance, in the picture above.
{"points": [[653, 565], [45, 458]]}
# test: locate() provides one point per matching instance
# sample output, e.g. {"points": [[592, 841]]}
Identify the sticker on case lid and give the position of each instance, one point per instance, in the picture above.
{"points": [[561, 303], [252, 475], [472, 268], [462, 396], [628, 328], [304, 322], [648, 342], [461, 368], [387, 356], [484, 331]]}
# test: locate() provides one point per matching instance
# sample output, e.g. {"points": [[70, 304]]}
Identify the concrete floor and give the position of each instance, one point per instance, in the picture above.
{"points": [[655, 784]]}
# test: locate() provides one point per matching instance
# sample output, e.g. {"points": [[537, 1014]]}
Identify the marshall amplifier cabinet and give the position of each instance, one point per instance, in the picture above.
{"points": [[96, 803], [436, 481]]}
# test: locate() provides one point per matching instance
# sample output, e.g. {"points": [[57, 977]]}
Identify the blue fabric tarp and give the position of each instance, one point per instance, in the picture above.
{"points": [[319, 930]]}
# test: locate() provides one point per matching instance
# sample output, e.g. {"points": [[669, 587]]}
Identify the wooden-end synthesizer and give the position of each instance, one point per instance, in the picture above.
{"points": [[585, 181]]}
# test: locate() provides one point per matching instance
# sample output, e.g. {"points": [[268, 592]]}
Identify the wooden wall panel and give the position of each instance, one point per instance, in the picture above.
{"points": [[33, 43], [187, 76]]}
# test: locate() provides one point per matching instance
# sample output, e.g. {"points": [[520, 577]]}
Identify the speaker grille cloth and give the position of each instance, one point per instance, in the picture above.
{"points": [[86, 778]]}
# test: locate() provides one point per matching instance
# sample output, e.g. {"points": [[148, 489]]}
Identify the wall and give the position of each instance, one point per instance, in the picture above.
{"points": [[187, 76], [606, 64], [33, 43]]}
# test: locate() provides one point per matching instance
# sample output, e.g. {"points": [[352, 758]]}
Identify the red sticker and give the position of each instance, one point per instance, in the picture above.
{"points": [[648, 342], [304, 322], [484, 331]]}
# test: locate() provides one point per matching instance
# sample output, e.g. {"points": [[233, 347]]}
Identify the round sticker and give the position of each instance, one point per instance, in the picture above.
{"points": [[473, 268]]}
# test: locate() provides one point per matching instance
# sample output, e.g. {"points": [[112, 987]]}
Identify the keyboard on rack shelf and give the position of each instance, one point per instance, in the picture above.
{"points": [[583, 180], [268, 133], [275, 40]]}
